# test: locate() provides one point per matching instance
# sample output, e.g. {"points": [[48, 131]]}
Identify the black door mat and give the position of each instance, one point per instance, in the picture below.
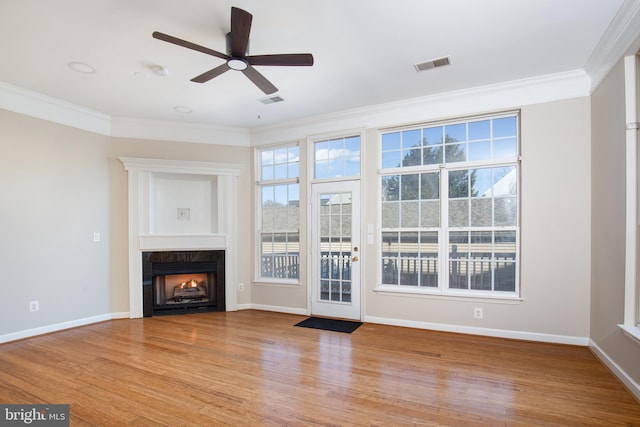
{"points": [[335, 325]]}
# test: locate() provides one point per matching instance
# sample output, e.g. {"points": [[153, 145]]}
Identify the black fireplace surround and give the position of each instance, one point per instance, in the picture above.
{"points": [[180, 282]]}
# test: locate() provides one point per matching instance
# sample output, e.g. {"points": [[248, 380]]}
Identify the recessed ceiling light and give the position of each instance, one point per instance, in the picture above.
{"points": [[81, 67], [183, 109], [160, 71]]}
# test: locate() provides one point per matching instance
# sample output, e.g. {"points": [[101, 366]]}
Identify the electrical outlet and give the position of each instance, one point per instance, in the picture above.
{"points": [[34, 306], [240, 287], [477, 313]]}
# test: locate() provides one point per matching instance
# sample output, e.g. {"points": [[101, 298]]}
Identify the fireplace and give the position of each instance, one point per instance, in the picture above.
{"points": [[177, 282], [184, 206]]}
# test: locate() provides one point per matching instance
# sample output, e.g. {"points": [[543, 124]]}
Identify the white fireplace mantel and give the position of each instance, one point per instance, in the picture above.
{"points": [[181, 205]]}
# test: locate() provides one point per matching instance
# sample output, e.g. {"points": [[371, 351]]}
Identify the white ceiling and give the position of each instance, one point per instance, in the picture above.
{"points": [[364, 51]]}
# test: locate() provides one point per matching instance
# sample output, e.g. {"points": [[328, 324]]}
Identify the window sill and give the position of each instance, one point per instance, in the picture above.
{"points": [[451, 296], [632, 332], [276, 282]]}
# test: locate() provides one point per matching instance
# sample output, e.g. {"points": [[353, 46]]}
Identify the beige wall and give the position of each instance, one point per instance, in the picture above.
{"points": [[54, 195], [608, 224]]}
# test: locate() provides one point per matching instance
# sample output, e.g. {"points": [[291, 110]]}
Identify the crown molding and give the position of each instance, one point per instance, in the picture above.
{"points": [[160, 130], [34, 104], [623, 33], [500, 96]]}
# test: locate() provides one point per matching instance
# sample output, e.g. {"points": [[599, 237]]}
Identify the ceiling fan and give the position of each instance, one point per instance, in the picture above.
{"points": [[236, 57]]}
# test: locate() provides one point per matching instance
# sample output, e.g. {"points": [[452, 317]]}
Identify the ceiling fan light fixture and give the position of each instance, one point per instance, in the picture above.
{"points": [[237, 64]]}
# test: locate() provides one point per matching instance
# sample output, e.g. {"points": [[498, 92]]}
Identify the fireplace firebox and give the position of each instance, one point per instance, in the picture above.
{"points": [[176, 282]]}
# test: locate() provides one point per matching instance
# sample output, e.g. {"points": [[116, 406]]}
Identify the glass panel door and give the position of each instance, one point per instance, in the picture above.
{"points": [[336, 253]]}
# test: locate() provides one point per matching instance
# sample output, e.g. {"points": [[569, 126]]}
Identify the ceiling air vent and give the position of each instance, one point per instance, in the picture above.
{"points": [[271, 100], [434, 63]]}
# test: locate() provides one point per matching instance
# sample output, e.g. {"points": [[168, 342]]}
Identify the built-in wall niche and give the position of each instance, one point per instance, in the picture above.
{"points": [[183, 204]]}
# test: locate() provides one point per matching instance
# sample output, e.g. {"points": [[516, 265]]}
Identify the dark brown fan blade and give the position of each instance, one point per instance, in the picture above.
{"points": [[289, 59], [188, 45], [240, 29], [259, 80], [215, 72]]}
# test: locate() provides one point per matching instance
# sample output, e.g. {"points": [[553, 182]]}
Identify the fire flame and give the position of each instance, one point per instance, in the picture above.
{"points": [[190, 284]]}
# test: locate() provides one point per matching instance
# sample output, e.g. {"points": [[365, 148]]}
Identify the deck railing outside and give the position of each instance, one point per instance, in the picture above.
{"points": [[475, 273]]}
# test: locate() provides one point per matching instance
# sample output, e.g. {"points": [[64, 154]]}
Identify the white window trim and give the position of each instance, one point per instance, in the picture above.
{"points": [[443, 291], [451, 295], [631, 325]]}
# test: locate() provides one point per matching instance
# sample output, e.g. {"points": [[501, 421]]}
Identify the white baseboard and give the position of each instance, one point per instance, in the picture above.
{"points": [[28, 333], [276, 308], [629, 382], [120, 315], [472, 330]]}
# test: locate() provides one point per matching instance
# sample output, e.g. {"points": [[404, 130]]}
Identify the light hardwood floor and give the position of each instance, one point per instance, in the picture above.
{"points": [[255, 368]]}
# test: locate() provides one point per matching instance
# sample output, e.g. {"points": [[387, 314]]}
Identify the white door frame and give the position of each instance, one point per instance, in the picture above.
{"points": [[316, 306]]}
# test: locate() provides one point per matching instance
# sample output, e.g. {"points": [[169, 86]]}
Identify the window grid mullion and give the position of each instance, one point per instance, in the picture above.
{"points": [[443, 243]]}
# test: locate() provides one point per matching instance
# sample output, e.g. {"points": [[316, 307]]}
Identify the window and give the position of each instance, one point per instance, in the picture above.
{"points": [[631, 323], [336, 158], [279, 214], [449, 207]]}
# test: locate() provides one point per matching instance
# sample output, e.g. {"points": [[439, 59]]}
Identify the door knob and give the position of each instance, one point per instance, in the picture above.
{"points": [[354, 259]]}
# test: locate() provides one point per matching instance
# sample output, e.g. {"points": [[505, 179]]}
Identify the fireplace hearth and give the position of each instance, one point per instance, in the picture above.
{"points": [[177, 282]]}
